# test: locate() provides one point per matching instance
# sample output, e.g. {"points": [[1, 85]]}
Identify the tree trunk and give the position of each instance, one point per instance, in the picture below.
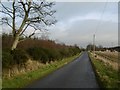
{"points": [[15, 43]]}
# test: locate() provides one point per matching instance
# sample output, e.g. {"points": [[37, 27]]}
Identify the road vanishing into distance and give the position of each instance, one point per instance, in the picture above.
{"points": [[77, 74]]}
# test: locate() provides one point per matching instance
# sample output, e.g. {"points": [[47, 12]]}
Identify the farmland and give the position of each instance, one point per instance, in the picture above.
{"points": [[108, 57], [113, 56], [106, 67]]}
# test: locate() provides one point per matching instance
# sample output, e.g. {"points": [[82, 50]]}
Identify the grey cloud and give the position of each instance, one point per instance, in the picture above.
{"points": [[69, 9], [78, 21]]}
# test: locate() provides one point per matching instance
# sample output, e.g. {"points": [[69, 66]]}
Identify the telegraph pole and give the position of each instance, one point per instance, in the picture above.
{"points": [[94, 45]]}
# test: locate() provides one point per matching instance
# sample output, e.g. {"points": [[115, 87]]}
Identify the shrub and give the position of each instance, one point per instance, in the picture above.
{"points": [[7, 59], [19, 56], [34, 53], [44, 58], [38, 54], [53, 54], [16, 57], [57, 55], [44, 54]]}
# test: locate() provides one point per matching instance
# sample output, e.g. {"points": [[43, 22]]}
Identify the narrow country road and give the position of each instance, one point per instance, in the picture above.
{"points": [[77, 74]]}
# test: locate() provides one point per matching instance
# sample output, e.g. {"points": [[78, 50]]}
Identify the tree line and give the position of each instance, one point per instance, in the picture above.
{"points": [[101, 48]]}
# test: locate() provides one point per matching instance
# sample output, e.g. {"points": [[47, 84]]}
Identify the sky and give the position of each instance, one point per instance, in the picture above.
{"points": [[77, 22]]}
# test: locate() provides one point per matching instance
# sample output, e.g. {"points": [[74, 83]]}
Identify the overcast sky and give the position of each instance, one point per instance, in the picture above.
{"points": [[78, 21]]}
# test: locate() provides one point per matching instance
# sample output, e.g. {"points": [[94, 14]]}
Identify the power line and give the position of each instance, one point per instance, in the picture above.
{"points": [[98, 27], [94, 44], [101, 16]]}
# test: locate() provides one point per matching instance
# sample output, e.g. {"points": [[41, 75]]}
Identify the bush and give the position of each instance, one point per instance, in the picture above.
{"points": [[53, 54], [19, 56], [7, 59], [63, 53], [57, 55], [34, 53], [44, 58], [38, 54], [44, 54], [16, 57]]}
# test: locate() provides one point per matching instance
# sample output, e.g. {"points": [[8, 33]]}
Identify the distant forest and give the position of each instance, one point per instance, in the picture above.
{"points": [[117, 48]]}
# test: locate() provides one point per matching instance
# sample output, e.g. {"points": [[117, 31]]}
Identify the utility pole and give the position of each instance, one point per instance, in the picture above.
{"points": [[94, 45], [111, 44]]}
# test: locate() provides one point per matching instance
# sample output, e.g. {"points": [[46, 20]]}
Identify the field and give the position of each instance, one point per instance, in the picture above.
{"points": [[108, 57], [107, 75], [113, 56]]}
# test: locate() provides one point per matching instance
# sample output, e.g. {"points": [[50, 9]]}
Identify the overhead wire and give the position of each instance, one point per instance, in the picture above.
{"points": [[97, 27], [99, 22], [103, 11]]}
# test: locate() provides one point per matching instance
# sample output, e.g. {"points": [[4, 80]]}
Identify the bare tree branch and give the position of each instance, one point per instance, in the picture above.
{"points": [[32, 34], [13, 23], [33, 26], [7, 13], [5, 21], [6, 8], [24, 29], [23, 4]]}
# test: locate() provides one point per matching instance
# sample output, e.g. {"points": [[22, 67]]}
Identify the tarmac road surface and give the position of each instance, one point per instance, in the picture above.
{"points": [[77, 74]]}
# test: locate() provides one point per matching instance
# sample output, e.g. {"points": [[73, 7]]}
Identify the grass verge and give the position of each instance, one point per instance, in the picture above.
{"points": [[0, 83], [24, 79], [107, 76]]}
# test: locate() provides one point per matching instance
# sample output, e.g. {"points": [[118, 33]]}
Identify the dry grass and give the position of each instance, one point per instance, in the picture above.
{"points": [[113, 56], [29, 66], [114, 65], [110, 58]]}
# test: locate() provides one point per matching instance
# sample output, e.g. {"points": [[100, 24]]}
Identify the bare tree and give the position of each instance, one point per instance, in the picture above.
{"points": [[23, 15]]}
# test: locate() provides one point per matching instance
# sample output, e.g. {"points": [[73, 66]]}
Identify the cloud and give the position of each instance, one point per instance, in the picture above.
{"points": [[77, 31], [77, 22], [93, 16]]}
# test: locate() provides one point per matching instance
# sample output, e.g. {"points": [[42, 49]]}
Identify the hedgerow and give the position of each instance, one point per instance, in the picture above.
{"points": [[35, 49]]}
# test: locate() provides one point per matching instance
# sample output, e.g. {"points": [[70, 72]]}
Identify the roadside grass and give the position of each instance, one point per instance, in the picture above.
{"points": [[25, 79], [107, 76], [0, 68], [0, 83]]}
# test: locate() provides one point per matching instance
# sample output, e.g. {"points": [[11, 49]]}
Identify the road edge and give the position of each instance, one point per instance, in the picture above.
{"points": [[96, 74]]}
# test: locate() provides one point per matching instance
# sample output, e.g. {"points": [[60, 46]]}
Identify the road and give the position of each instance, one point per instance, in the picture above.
{"points": [[77, 74]]}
